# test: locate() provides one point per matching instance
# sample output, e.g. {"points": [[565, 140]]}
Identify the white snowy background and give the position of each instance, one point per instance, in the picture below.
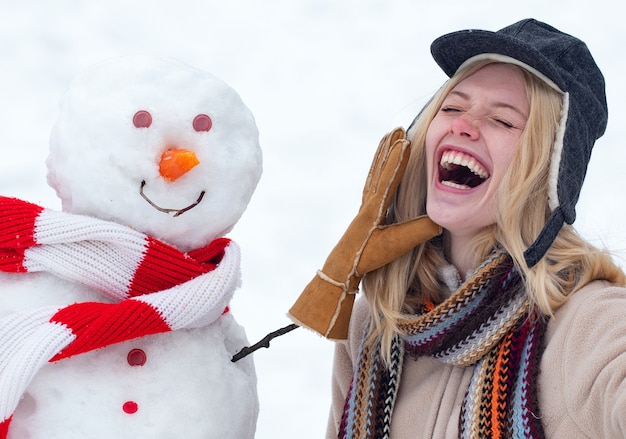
{"points": [[325, 80]]}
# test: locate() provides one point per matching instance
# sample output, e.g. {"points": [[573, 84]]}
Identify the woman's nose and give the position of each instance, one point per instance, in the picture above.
{"points": [[465, 125]]}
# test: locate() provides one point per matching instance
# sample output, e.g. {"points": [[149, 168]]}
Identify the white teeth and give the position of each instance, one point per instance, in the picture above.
{"points": [[458, 158], [454, 185]]}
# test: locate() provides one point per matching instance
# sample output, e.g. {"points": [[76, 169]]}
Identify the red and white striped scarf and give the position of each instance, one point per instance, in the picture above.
{"points": [[150, 287]]}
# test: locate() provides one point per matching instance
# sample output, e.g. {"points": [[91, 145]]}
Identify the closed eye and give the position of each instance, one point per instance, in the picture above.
{"points": [[504, 123]]}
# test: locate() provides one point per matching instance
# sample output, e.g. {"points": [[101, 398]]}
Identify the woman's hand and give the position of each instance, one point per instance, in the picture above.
{"points": [[325, 305]]}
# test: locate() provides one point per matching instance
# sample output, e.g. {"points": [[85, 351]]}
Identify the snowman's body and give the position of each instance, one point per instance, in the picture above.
{"points": [[178, 384]]}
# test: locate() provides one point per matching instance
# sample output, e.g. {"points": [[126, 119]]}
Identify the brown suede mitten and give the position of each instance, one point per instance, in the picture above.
{"points": [[325, 305]]}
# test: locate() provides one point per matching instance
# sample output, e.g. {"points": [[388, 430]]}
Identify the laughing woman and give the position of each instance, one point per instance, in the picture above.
{"points": [[509, 324]]}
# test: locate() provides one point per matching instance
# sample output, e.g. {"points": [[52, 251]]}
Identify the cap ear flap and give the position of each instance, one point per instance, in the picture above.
{"points": [[570, 162], [555, 159], [538, 249]]}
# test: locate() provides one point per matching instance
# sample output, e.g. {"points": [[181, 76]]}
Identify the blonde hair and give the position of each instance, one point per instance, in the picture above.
{"points": [[570, 263]]}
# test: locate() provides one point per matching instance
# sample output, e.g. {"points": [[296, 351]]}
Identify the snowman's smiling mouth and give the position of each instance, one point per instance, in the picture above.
{"points": [[461, 171], [176, 212]]}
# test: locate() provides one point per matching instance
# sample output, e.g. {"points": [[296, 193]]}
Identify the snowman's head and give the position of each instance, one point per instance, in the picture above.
{"points": [[160, 146]]}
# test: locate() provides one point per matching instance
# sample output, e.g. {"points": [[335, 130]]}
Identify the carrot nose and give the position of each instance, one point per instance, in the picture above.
{"points": [[176, 162]]}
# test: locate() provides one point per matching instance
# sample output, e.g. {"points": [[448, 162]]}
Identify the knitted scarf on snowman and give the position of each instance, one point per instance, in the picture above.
{"points": [[148, 287], [485, 324]]}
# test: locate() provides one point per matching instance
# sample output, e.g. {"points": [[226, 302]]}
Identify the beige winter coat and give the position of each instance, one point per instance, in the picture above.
{"points": [[582, 383]]}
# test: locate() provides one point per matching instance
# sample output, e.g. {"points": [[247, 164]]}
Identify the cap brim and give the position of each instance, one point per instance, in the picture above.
{"points": [[450, 51]]}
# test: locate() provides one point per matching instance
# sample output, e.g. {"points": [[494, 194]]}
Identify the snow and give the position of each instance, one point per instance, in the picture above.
{"points": [[325, 80]]}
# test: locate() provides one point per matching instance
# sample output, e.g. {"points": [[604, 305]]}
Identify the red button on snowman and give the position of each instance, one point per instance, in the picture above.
{"points": [[114, 312]]}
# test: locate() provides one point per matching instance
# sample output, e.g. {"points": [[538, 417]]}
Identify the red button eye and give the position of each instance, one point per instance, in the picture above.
{"points": [[142, 119], [202, 122]]}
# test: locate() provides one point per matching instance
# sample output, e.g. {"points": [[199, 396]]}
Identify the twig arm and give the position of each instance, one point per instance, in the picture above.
{"points": [[263, 343]]}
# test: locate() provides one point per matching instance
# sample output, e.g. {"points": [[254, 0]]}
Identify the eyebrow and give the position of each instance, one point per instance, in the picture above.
{"points": [[498, 104]]}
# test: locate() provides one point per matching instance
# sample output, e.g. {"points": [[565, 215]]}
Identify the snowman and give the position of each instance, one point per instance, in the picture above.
{"points": [[114, 311]]}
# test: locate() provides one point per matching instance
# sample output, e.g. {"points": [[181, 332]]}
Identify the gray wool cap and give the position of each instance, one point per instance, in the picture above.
{"points": [[565, 63]]}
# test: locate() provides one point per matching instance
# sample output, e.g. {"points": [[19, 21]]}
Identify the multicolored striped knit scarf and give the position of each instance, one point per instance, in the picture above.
{"points": [[485, 325], [147, 287]]}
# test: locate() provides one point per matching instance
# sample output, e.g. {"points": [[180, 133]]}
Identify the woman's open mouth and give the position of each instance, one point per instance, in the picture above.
{"points": [[461, 171]]}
